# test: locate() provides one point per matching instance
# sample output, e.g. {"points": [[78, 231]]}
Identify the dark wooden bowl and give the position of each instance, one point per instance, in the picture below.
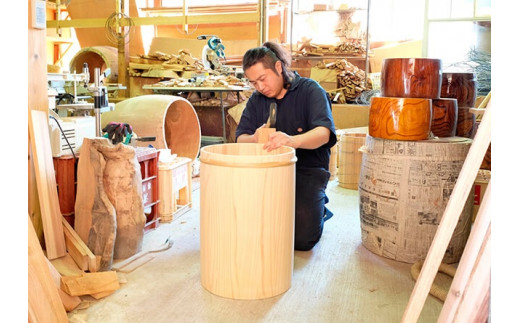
{"points": [[466, 123], [411, 78], [460, 86], [444, 117], [400, 118]]}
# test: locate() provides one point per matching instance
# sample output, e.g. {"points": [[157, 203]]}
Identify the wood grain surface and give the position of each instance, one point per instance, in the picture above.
{"points": [[411, 78], [247, 202], [444, 117], [400, 118], [466, 123], [460, 86], [349, 159]]}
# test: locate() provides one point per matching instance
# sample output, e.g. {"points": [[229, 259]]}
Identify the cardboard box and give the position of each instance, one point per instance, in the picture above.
{"points": [[327, 78], [350, 115]]}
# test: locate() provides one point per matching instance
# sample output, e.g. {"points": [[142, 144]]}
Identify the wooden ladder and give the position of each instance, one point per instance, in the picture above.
{"points": [[470, 289]]}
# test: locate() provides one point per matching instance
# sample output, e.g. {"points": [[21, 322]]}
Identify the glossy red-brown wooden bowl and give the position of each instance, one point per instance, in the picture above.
{"points": [[400, 118], [444, 117], [460, 86], [466, 123], [411, 78]]}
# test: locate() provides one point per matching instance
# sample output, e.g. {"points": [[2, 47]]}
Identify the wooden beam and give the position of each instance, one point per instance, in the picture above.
{"points": [[143, 21], [46, 183], [78, 250], [449, 219]]}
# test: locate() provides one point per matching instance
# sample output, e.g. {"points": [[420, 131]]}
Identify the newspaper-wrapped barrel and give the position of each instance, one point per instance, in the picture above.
{"points": [[404, 187]]}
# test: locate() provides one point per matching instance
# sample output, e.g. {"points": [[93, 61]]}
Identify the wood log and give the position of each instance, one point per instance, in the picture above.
{"points": [[46, 183], [90, 283], [44, 304]]}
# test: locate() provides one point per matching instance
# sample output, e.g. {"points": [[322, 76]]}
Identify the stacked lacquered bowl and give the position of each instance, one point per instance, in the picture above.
{"points": [[410, 106]]}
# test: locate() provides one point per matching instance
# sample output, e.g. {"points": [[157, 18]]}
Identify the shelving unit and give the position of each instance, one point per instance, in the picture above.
{"points": [[326, 29]]}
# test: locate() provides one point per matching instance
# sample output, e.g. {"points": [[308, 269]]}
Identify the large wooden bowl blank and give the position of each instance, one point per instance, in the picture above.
{"points": [[400, 118], [460, 86], [444, 117], [411, 78]]}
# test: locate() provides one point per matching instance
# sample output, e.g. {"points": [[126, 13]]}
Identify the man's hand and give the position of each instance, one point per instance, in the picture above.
{"points": [[279, 139], [250, 138], [312, 139]]}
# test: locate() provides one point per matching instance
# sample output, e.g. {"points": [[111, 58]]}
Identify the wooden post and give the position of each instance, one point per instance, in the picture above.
{"points": [[449, 219]]}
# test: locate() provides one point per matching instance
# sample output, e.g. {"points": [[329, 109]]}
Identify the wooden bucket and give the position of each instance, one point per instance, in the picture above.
{"points": [[400, 118], [444, 117], [171, 119], [404, 188], [102, 57], [247, 198], [460, 86], [349, 159], [411, 78]]}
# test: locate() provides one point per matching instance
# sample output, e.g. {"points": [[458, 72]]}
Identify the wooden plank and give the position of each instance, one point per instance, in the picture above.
{"points": [[44, 304], [473, 251], [90, 283], [69, 302], [79, 251], [46, 183], [449, 219], [66, 266]]}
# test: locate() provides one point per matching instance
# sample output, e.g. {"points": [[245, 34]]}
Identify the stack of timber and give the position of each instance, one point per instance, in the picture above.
{"points": [[353, 47], [352, 81], [159, 64], [211, 81]]}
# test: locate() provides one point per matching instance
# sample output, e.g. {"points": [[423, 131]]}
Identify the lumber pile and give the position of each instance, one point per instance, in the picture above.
{"points": [[353, 47], [209, 81], [159, 64], [352, 81]]}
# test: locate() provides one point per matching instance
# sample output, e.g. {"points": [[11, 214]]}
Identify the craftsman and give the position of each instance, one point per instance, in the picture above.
{"points": [[303, 121]]}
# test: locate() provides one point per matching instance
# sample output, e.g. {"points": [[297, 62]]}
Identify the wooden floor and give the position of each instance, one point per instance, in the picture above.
{"points": [[338, 281]]}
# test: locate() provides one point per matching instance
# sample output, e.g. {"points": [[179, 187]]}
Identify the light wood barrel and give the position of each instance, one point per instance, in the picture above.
{"points": [[247, 200], [171, 119], [102, 57], [400, 118], [404, 188], [411, 78], [349, 159]]}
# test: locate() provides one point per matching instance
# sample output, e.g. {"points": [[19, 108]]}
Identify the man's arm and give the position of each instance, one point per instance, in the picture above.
{"points": [[312, 139]]}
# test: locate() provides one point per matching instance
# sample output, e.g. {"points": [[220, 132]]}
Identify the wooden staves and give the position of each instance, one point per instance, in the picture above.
{"points": [[46, 183]]}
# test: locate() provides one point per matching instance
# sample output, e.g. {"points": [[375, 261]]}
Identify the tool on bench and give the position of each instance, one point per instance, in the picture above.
{"points": [[263, 135], [122, 132]]}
